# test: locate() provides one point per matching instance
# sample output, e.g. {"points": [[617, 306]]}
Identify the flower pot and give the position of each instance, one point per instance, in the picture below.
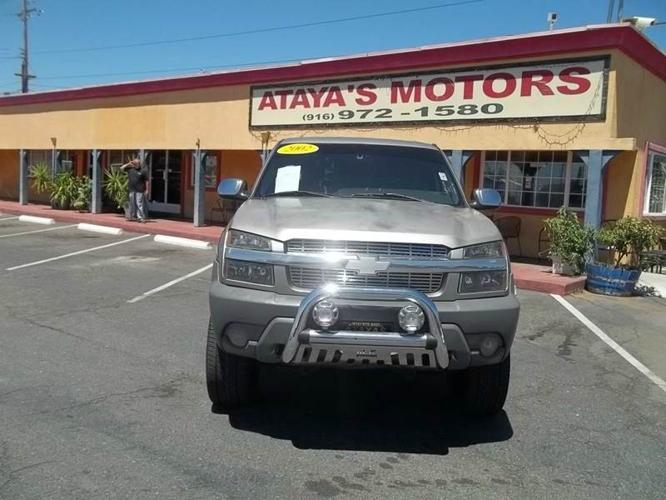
{"points": [[611, 280], [564, 268]]}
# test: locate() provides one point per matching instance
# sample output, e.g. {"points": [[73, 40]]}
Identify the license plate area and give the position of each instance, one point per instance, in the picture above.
{"points": [[366, 326]]}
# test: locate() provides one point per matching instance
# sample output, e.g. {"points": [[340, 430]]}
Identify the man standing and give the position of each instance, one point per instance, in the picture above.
{"points": [[137, 177]]}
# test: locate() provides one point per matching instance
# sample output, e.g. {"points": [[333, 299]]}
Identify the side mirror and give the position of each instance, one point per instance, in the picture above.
{"points": [[486, 199], [233, 189]]}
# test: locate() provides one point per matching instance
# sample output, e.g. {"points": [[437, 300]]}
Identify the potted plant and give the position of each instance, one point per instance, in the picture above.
{"points": [[570, 243], [40, 178], [626, 239], [116, 188], [62, 190], [82, 190]]}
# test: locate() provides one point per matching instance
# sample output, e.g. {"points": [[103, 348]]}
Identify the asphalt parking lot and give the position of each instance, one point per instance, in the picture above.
{"points": [[102, 394]]}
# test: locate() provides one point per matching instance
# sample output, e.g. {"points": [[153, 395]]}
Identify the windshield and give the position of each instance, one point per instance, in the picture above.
{"points": [[361, 170]]}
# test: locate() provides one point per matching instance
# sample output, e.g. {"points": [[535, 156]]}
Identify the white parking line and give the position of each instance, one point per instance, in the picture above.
{"points": [[36, 231], [29, 264], [614, 345], [169, 284], [9, 218]]}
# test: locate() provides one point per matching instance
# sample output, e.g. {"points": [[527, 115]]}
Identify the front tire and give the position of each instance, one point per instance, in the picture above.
{"points": [[484, 388], [230, 379]]}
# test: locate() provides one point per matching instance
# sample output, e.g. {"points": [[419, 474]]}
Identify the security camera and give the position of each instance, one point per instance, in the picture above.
{"points": [[552, 19], [640, 22]]}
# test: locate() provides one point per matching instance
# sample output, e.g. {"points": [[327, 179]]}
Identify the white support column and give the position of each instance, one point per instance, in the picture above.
{"points": [[458, 159], [24, 175], [199, 157], [96, 167], [596, 160]]}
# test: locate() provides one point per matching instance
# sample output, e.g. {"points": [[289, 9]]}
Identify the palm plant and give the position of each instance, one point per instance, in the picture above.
{"points": [[115, 187], [63, 189], [82, 190], [40, 177]]}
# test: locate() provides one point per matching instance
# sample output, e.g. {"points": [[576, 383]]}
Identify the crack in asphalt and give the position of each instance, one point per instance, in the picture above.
{"points": [[164, 390], [21, 469]]}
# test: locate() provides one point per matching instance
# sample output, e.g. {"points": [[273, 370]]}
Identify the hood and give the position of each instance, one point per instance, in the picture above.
{"points": [[356, 219]]}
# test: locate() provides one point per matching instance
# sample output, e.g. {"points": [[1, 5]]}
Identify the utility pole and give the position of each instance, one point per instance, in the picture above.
{"points": [[25, 75], [611, 9]]}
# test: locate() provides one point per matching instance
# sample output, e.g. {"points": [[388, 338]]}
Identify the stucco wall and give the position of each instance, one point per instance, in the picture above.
{"points": [[219, 118]]}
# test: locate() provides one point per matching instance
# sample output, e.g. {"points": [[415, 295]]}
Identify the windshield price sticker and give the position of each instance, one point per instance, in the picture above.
{"points": [[298, 149], [541, 90]]}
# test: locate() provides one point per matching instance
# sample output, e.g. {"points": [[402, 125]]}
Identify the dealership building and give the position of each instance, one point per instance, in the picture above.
{"points": [[572, 118]]}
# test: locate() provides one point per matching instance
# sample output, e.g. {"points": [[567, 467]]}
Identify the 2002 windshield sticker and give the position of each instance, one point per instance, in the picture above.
{"points": [[558, 90]]}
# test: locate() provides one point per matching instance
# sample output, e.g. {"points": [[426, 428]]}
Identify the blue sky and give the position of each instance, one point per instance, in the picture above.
{"points": [[80, 24]]}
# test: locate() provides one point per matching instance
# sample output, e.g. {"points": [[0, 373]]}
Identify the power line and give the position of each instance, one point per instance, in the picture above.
{"points": [[171, 70], [258, 30]]}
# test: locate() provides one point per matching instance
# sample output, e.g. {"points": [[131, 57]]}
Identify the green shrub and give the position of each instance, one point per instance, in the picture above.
{"points": [[628, 238], [569, 239], [63, 189], [81, 192], [40, 178], [116, 187]]}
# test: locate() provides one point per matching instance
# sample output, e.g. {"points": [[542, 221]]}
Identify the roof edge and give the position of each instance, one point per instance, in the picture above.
{"points": [[621, 36]]}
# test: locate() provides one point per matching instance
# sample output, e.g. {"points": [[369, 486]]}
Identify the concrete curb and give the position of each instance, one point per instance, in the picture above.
{"points": [[36, 220], [183, 242], [96, 228]]}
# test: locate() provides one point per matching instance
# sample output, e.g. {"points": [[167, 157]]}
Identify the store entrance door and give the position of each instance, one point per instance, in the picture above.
{"points": [[165, 178]]}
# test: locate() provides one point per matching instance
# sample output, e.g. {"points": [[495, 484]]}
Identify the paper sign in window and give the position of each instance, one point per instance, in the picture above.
{"points": [[288, 178]]}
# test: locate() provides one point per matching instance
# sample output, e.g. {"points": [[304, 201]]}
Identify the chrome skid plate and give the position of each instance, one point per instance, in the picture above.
{"points": [[309, 346]]}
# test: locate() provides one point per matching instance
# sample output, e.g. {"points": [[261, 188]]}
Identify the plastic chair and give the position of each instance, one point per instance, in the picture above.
{"points": [[509, 227], [544, 238]]}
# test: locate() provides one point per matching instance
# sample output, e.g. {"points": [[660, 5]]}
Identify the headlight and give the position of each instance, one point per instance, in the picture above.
{"points": [[248, 241], [482, 281], [249, 272], [494, 249]]}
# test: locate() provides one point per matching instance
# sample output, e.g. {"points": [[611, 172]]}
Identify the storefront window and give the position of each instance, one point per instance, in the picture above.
{"points": [[37, 156], [66, 161], [542, 179], [117, 158], [655, 194], [210, 171]]}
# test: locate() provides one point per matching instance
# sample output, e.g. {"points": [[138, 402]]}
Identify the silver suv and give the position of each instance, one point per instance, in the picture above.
{"points": [[359, 253]]}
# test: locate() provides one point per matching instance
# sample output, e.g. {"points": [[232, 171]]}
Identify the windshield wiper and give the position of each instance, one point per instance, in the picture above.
{"points": [[394, 196], [297, 193]]}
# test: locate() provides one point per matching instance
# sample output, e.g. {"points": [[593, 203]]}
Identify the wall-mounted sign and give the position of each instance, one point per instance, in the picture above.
{"points": [[549, 90]]}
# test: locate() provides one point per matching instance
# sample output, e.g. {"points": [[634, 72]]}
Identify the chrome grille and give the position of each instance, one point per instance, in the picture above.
{"points": [[381, 249], [309, 278]]}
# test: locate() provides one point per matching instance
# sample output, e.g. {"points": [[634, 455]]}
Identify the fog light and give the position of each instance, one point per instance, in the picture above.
{"points": [[325, 313], [489, 345], [411, 318]]}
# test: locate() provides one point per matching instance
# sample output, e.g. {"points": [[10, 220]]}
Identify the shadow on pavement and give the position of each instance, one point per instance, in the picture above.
{"points": [[364, 410]]}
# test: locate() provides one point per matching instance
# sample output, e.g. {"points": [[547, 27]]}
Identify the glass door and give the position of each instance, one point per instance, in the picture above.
{"points": [[165, 178]]}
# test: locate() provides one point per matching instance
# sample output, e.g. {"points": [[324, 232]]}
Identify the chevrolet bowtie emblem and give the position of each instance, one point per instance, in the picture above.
{"points": [[367, 265]]}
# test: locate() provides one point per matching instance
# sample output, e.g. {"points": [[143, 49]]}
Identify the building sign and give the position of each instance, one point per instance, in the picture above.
{"points": [[546, 90]]}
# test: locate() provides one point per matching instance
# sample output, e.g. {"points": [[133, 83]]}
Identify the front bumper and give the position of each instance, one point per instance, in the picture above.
{"points": [[426, 349], [264, 325]]}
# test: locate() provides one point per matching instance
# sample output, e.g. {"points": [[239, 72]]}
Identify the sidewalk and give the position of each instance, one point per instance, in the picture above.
{"points": [[653, 283], [169, 227], [527, 276], [541, 279]]}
